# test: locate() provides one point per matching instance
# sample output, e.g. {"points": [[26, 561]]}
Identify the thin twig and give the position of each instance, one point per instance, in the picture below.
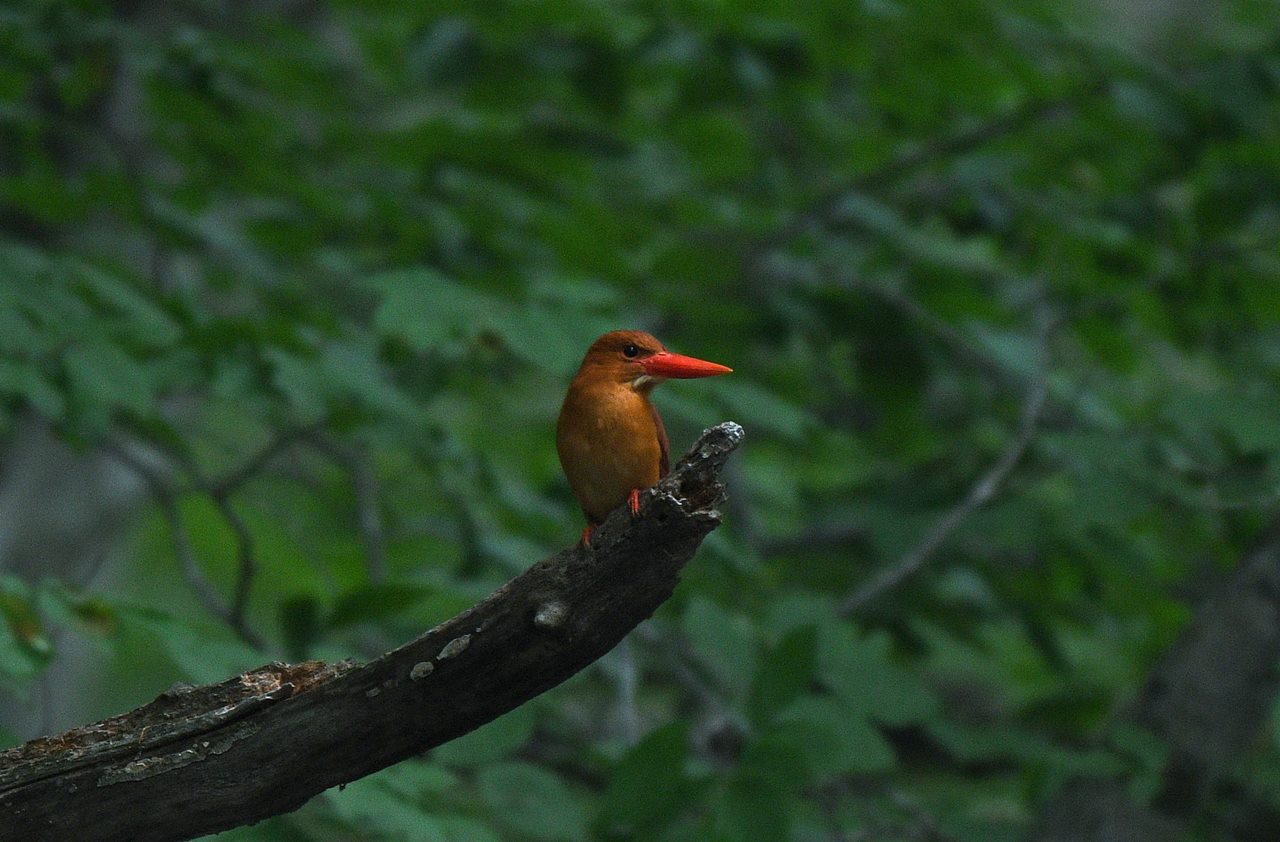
{"points": [[364, 485], [364, 488], [951, 337], [981, 493], [675, 651], [220, 492], [166, 498], [247, 566], [628, 681], [253, 466]]}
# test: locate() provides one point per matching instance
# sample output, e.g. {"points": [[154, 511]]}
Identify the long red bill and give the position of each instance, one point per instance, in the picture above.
{"points": [[667, 364]]}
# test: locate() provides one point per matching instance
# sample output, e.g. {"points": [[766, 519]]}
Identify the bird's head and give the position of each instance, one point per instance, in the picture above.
{"points": [[636, 359]]}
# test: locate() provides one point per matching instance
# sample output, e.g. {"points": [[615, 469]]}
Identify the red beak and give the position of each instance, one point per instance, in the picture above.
{"points": [[667, 364]]}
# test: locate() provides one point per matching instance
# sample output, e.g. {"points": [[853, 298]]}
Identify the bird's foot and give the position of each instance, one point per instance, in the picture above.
{"points": [[633, 504]]}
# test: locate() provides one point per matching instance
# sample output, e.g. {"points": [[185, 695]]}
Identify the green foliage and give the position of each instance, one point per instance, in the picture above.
{"points": [[327, 271]]}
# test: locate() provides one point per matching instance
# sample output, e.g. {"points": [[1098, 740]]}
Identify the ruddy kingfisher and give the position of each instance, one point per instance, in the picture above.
{"points": [[610, 437]]}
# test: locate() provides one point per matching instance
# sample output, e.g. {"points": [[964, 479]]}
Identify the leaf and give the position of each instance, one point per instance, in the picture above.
{"points": [[24, 623], [96, 616], [105, 378], [647, 787], [299, 624], [372, 603], [786, 673], [797, 608], [1025, 746], [462, 829], [369, 804], [298, 379], [1148, 755], [1016, 352], [26, 382], [756, 406], [89, 614], [722, 643], [428, 311], [531, 800], [352, 370], [415, 778], [752, 809], [863, 674], [20, 660], [836, 740], [1251, 423], [205, 652], [142, 319]]}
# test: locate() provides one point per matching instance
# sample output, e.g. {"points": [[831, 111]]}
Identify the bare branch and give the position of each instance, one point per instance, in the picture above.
{"points": [[246, 564], [167, 499], [364, 487], [232, 481], [200, 760], [945, 333], [220, 492], [628, 680]]}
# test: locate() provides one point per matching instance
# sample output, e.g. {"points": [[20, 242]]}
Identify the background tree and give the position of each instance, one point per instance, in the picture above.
{"points": [[290, 292]]}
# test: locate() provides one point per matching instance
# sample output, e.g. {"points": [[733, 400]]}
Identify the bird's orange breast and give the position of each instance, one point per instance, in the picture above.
{"points": [[608, 442]]}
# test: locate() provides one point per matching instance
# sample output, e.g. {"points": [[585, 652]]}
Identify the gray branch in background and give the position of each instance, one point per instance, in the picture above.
{"points": [[138, 457], [358, 463], [166, 497]]}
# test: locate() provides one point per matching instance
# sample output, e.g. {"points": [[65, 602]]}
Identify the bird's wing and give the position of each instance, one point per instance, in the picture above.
{"points": [[664, 454]]}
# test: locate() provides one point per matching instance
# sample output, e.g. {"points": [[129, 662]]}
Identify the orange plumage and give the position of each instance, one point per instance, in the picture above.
{"points": [[610, 438]]}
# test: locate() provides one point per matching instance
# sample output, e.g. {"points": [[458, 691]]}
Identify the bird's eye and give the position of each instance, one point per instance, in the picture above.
{"points": [[630, 352]]}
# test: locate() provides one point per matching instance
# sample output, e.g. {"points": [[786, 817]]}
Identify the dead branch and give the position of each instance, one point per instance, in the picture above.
{"points": [[200, 760]]}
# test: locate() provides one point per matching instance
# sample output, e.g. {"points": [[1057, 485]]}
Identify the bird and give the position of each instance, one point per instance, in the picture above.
{"points": [[609, 436]]}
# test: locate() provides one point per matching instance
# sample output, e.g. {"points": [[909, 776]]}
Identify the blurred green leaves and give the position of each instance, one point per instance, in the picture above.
{"points": [[530, 800], [388, 235], [649, 787]]}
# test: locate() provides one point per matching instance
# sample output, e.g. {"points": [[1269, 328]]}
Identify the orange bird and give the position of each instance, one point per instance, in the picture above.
{"points": [[610, 438]]}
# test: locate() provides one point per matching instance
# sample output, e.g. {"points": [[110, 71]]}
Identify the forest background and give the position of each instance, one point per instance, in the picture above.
{"points": [[290, 293]]}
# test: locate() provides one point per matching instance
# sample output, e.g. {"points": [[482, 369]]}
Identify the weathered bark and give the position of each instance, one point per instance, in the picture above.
{"points": [[1207, 699], [199, 760]]}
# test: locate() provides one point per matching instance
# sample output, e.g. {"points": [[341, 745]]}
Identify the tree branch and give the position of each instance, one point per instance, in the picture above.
{"points": [[253, 466], [201, 760], [165, 496], [246, 564], [231, 612], [364, 488]]}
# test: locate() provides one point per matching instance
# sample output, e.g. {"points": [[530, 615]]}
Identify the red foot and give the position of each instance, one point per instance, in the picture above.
{"points": [[586, 536], [634, 500]]}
